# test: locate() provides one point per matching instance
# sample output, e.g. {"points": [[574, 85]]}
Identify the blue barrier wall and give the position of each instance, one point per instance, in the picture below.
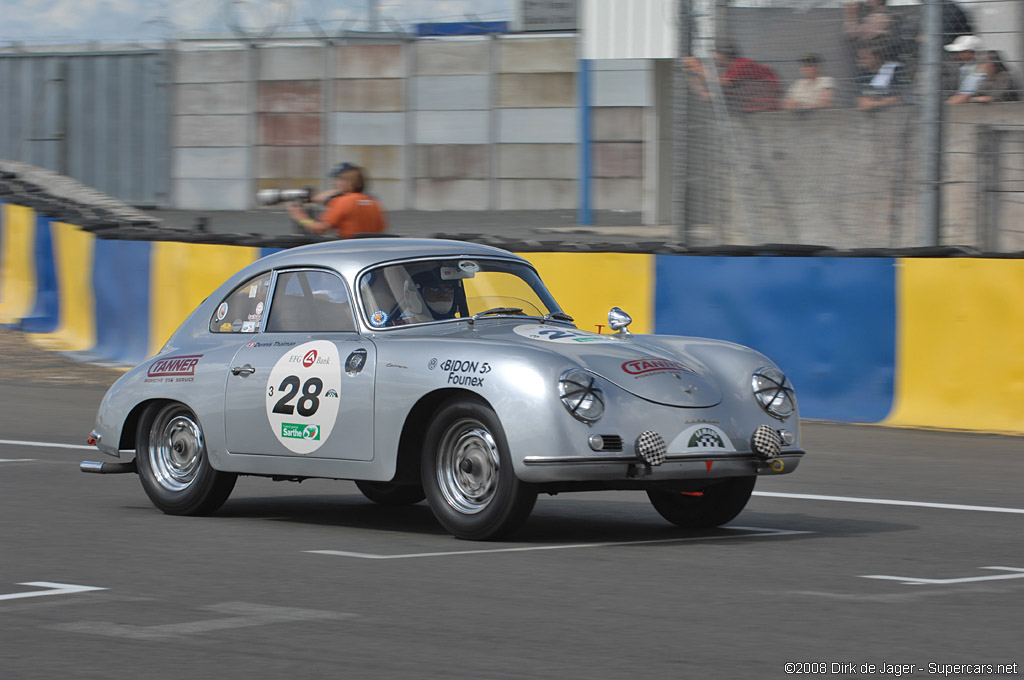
{"points": [[121, 281], [46, 313], [829, 323]]}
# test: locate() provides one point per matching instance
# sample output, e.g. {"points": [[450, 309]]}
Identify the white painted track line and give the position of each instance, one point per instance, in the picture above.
{"points": [[882, 501], [49, 445], [749, 532]]}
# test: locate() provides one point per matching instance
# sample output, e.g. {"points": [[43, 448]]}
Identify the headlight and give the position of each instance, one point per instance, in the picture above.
{"points": [[580, 395], [773, 392]]}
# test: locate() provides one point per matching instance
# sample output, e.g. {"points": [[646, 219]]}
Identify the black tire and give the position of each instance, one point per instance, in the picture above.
{"points": [[467, 474], [718, 504], [172, 462], [387, 493]]}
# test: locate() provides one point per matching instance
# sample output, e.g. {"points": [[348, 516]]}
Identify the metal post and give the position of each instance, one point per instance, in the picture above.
{"points": [[583, 212], [493, 123], [680, 125], [371, 9], [930, 225]]}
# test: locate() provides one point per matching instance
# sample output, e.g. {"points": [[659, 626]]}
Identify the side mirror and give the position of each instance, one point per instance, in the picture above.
{"points": [[619, 321]]}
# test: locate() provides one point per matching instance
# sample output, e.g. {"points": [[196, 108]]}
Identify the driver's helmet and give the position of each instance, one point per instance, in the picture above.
{"points": [[438, 294]]}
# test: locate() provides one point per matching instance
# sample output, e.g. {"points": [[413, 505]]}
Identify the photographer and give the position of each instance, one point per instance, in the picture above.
{"points": [[349, 211]]}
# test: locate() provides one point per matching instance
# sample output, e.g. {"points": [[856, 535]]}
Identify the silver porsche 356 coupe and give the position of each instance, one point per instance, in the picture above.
{"points": [[441, 370]]}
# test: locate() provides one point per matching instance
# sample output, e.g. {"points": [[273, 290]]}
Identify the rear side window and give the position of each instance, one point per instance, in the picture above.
{"points": [[310, 301], [242, 310]]}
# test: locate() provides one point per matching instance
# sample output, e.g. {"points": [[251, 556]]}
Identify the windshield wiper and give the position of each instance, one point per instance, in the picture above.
{"points": [[496, 310], [559, 316]]}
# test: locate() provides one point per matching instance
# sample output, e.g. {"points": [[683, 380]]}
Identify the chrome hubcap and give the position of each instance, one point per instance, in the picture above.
{"points": [[175, 449], [467, 467]]}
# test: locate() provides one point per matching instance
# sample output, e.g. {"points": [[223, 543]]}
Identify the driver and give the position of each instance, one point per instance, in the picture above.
{"points": [[437, 293]]}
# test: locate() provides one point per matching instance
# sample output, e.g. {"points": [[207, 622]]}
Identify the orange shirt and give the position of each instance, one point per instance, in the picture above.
{"points": [[353, 214]]}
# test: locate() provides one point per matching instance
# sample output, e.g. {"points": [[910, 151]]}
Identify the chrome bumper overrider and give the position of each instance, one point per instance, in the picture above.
{"points": [[669, 458]]}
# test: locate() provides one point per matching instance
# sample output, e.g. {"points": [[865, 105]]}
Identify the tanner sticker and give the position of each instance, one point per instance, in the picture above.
{"points": [[222, 311], [561, 334], [181, 368], [641, 368], [298, 385], [701, 437]]}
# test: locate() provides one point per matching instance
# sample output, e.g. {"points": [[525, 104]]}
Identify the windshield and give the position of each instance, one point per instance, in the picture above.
{"points": [[438, 290]]}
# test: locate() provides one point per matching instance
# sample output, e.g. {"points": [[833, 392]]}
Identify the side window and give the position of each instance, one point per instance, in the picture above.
{"points": [[242, 310], [310, 301]]}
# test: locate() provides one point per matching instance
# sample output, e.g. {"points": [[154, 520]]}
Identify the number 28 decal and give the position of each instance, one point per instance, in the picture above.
{"points": [[293, 396], [561, 334], [308, 404]]}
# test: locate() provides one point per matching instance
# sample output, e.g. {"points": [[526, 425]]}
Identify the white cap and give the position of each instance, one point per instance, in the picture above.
{"points": [[963, 44]]}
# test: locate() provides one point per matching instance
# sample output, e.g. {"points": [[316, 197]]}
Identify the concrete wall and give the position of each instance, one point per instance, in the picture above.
{"points": [[211, 159], [477, 123], [289, 117]]}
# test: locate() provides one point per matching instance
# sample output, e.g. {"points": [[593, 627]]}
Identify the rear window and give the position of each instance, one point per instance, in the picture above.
{"points": [[310, 301], [242, 310]]}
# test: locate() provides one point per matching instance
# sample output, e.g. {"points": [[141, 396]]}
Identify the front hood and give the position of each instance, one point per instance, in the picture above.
{"points": [[672, 378]]}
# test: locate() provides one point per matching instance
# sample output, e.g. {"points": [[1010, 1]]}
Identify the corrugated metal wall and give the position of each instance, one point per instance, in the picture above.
{"points": [[102, 118]]}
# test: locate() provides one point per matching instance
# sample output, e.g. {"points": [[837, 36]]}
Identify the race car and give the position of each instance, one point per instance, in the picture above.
{"points": [[442, 370]]}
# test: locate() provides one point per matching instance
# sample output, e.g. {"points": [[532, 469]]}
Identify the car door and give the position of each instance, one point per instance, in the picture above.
{"points": [[303, 385]]}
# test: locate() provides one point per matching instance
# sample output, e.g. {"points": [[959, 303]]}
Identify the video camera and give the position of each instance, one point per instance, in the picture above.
{"points": [[275, 196]]}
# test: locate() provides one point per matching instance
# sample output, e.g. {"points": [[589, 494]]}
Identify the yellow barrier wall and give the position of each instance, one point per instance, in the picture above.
{"points": [[587, 285], [959, 357], [182, 276], [73, 250], [17, 263]]}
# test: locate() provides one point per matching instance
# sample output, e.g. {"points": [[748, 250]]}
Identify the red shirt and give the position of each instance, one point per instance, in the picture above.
{"points": [[751, 86], [353, 214]]}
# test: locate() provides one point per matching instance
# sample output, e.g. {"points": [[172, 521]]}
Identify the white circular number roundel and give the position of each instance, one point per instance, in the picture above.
{"points": [[302, 395]]}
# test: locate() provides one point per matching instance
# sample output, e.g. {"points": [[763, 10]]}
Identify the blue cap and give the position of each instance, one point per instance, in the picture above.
{"points": [[342, 167]]}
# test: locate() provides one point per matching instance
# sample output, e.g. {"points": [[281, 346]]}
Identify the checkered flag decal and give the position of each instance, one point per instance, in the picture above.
{"points": [[651, 448], [708, 439], [766, 442]]}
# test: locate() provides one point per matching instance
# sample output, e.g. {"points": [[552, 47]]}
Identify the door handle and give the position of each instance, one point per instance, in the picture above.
{"points": [[242, 370]]}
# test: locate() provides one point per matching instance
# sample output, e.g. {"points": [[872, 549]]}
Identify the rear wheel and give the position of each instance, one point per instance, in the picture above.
{"points": [[387, 493], [712, 507], [170, 456], [467, 474]]}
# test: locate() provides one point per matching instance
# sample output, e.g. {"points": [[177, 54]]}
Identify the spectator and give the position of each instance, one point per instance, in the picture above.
{"points": [[965, 50], [869, 24], [954, 22], [746, 85], [349, 211], [812, 90], [883, 83], [998, 84]]}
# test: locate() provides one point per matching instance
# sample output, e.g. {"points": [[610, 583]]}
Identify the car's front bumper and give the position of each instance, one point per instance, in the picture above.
{"points": [[677, 466]]}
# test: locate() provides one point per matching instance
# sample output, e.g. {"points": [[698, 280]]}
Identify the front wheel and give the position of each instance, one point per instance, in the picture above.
{"points": [[170, 455], [467, 474], [712, 507], [387, 493]]}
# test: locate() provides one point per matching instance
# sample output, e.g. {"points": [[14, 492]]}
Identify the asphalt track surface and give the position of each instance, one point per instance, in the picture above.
{"points": [[595, 585]]}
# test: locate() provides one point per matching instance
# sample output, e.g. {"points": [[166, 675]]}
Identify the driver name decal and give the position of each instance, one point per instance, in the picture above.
{"points": [[561, 334], [302, 396]]}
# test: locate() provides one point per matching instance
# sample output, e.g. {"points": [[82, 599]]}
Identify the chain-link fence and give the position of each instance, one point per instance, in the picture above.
{"points": [[807, 122]]}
